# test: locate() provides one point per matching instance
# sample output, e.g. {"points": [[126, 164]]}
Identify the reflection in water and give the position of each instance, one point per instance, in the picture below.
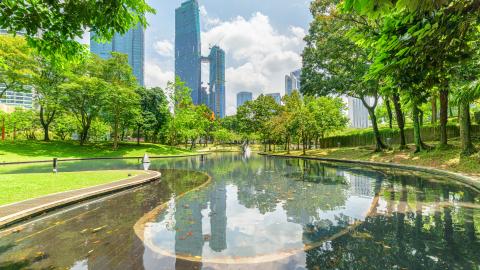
{"points": [[259, 213]]}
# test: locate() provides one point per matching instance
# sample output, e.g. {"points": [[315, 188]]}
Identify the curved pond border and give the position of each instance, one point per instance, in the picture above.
{"points": [[35, 207], [142, 223], [470, 181]]}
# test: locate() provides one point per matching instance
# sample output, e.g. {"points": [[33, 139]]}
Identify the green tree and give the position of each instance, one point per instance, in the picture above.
{"points": [[122, 103], [328, 115], [334, 65], [17, 66], [155, 111], [65, 125], [85, 94], [49, 95], [255, 115], [52, 26]]}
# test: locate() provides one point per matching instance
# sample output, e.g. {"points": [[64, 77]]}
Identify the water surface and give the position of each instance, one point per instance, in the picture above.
{"points": [[257, 213]]}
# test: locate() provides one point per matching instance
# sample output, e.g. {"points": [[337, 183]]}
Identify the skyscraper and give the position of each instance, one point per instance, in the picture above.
{"points": [[188, 47], [357, 113], [217, 81], [292, 81], [276, 96], [243, 97], [131, 44]]}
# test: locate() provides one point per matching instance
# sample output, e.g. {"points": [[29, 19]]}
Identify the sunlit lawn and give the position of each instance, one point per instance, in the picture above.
{"points": [[38, 150], [18, 187]]}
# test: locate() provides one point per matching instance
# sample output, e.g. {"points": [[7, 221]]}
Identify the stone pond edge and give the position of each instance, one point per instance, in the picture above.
{"points": [[471, 181], [25, 215]]}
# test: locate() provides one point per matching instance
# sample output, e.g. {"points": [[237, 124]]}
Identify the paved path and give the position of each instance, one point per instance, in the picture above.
{"points": [[17, 212]]}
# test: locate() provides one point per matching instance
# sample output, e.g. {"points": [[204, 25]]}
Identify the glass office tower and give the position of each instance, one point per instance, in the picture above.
{"points": [[217, 81], [243, 97], [292, 81], [188, 47], [276, 96], [131, 44]]}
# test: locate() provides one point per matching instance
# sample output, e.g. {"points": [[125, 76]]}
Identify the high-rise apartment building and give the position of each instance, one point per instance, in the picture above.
{"points": [[292, 81], [188, 47], [276, 96], [243, 97], [357, 113], [217, 81], [17, 99], [131, 43]]}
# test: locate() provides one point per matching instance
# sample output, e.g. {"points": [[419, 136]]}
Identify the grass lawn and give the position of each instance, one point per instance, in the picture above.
{"points": [[449, 159], [19, 187], [39, 150]]}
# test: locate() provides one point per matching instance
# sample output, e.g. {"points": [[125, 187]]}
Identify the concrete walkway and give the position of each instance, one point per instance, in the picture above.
{"points": [[24, 210]]}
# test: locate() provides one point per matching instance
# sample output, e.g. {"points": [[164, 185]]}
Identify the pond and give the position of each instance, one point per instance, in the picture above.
{"points": [[256, 213]]}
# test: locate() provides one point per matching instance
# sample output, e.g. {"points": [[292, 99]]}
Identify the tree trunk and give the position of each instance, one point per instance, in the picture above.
{"points": [[389, 112], [434, 109], [288, 145], [304, 142], [465, 129], [115, 135], [400, 119], [138, 135], [443, 117], [379, 145], [45, 122], [421, 116], [419, 145]]}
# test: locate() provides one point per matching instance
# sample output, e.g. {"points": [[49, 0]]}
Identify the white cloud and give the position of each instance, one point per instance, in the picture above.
{"points": [[206, 20], [261, 55], [156, 76], [203, 11], [164, 48]]}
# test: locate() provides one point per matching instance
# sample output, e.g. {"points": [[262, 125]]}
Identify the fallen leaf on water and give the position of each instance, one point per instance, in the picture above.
{"points": [[17, 230], [198, 257], [189, 233], [99, 229]]}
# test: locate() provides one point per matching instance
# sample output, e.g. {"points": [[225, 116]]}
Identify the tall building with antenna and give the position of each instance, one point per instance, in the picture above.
{"points": [[188, 47], [217, 81], [188, 60]]}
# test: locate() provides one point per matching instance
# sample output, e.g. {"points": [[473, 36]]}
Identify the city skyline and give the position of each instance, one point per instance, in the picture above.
{"points": [[262, 41]]}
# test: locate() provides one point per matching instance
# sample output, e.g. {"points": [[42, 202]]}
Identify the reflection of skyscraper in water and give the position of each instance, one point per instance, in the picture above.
{"points": [[188, 231], [360, 185], [218, 217]]}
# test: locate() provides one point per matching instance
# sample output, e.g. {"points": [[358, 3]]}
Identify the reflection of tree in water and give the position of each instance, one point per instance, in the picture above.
{"points": [[406, 236]]}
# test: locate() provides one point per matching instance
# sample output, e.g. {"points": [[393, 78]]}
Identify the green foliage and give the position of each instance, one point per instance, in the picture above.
{"points": [[155, 112], [17, 65], [52, 26], [65, 125]]}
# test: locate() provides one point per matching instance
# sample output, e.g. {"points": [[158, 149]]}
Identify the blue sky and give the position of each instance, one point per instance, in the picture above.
{"points": [[263, 40]]}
